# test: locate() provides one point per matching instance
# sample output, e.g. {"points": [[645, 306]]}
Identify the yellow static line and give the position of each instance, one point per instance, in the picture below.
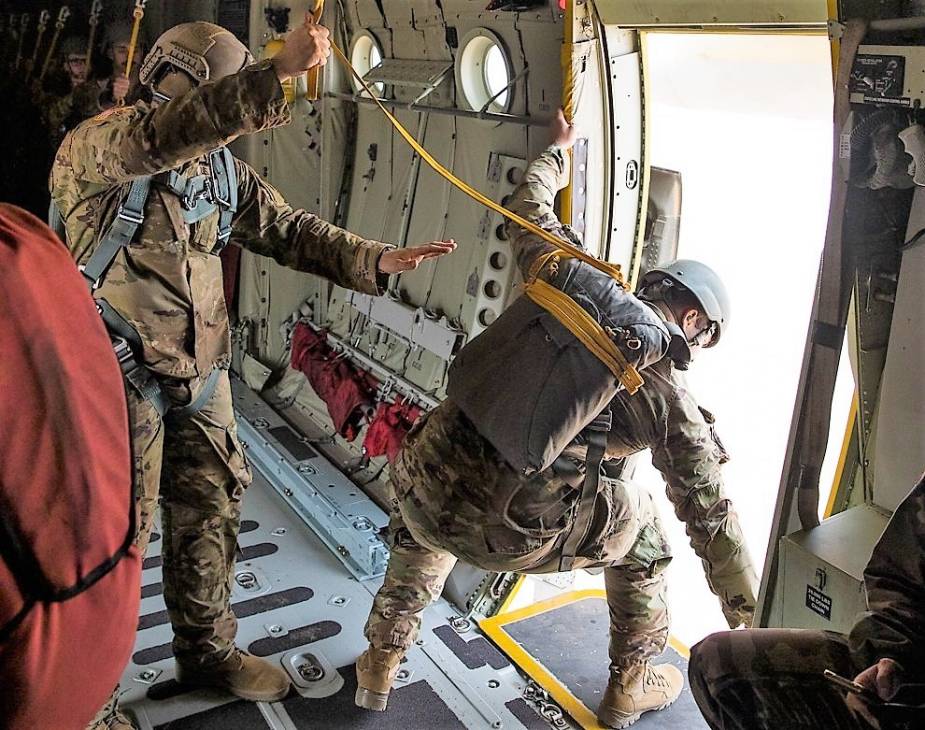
{"points": [[611, 269], [836, 46], [555, 301], [494, 629], [568, 101]]}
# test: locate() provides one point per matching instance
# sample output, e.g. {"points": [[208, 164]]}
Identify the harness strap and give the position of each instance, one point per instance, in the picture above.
{"points": [[225, 191], [596, 433], [201, 195], [205, 395], [222, 190], [127, 345], [123, 229]]}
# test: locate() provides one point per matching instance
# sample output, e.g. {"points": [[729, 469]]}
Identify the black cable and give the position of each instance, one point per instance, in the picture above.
{"points": [[914, 241]]}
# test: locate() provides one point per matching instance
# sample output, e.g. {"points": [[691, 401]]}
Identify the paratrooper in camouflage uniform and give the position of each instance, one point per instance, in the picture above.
{"points": [[62, 112], [167, 284], [119, 88], [765, 679], [456, 498]]}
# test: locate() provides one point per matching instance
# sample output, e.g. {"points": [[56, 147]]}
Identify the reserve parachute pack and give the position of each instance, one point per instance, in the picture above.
{"points": [[530, 386]]}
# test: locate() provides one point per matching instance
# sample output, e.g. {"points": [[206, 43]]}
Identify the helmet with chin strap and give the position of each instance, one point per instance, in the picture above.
{"points": [[700, 280], [205, 51]]}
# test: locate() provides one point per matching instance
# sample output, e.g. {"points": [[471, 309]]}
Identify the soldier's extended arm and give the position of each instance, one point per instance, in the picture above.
{"points": [[689, 459], [127, 143], [894, 626], [534, 199], [267, 225]]}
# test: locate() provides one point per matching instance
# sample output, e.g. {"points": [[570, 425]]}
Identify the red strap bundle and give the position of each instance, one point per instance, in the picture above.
{"points": [[69, 578], [388, 428], [348, 393]]}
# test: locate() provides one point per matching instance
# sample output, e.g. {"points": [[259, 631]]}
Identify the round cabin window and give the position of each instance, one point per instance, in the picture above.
{"points": [[484, 71], [365, 55]]}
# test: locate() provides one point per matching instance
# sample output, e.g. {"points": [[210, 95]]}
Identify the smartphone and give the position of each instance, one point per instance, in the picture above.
{"points": [[849, 685]]}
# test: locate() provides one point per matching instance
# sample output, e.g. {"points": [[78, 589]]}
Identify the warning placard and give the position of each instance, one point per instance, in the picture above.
{"points": [[818, 602]]}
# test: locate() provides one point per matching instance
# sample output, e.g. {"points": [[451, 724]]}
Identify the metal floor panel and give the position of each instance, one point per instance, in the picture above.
{"points": [[573, 664], [311, 604]]}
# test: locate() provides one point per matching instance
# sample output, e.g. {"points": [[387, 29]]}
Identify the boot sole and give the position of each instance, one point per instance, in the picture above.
{"points": [[619, 722], [243, 694], [371, 700]]}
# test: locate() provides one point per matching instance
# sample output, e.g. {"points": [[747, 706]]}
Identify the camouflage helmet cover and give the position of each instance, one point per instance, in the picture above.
{"points": [[207, 52], [701, 281]]}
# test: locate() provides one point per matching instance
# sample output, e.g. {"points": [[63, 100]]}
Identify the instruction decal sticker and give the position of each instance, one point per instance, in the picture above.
{"points": [[818, 602]]}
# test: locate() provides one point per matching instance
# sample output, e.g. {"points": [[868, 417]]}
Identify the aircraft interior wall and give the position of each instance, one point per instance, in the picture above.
{"points": [[343, 160]]}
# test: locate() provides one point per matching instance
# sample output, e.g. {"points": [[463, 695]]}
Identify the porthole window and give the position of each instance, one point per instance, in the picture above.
{"points": [[365, 55], [483, 70]]}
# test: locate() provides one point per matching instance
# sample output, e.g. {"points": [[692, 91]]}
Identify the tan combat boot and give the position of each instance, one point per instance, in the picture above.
{"points": [[241, 674], [638, 689], [111, 717], [376, 670], [115, 720]]}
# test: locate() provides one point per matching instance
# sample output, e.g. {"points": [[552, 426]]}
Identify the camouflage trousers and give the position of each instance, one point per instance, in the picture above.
{"points": [[195, 468], [433, 524], [772, 678]]}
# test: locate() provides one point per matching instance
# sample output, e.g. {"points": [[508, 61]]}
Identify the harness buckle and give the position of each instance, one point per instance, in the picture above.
{"points": [[124, 354], [207, 192], [130, 216], [603, 422], [214, 158], [94, 284]]}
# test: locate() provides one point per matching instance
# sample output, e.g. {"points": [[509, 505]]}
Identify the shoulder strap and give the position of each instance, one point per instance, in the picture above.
{"points": [[56, 221], [225, 186], [123, 229]]}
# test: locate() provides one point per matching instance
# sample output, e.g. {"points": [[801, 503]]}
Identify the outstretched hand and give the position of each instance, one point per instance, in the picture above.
{"points": [[397, 260]]}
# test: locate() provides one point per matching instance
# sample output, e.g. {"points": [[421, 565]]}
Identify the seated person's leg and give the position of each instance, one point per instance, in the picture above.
{"points": [[771, 678]]}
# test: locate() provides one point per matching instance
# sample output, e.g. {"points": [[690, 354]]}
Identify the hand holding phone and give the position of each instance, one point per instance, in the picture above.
{"points": [[849, 685]]}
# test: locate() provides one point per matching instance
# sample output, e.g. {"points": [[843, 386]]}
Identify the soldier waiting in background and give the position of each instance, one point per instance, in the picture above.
{"points": [[63, 111], [119, 88], [457, 497], [149, 194], [769, 679]]}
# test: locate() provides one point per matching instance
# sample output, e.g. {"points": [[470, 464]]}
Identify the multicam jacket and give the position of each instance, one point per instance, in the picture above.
{"points": [[168, 283], [61, 112], [662, 417]]}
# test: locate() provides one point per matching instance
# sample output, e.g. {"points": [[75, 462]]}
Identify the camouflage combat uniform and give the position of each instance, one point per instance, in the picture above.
{"points": [[455, 497], [168, 284], [772, 678], [61, 113]]}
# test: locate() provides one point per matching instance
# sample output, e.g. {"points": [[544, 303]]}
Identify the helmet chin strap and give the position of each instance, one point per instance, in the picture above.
{"points": [[159, 98], [704, 337]]}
